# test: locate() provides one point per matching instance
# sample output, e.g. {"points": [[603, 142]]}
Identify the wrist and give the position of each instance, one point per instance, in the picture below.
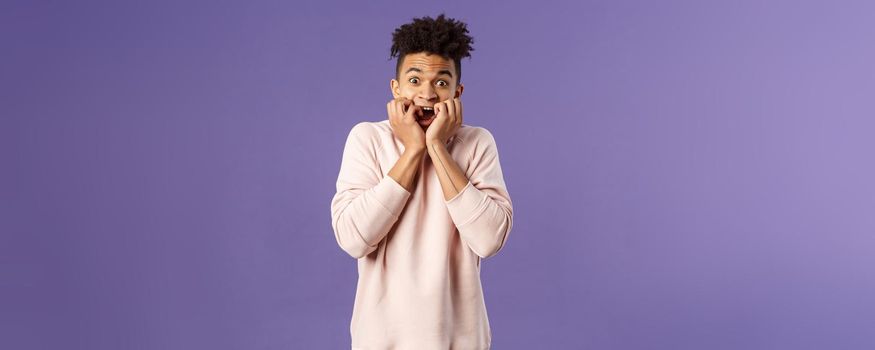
{"points": [[415, 150], [431, 144], [433, 141]]}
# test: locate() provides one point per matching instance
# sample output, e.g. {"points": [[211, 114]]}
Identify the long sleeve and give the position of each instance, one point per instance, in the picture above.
{"points": [[482, 211], [366, 204], [418, 251]]}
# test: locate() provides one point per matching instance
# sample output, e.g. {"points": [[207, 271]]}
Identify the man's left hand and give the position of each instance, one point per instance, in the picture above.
{"points": [[448, 119]]}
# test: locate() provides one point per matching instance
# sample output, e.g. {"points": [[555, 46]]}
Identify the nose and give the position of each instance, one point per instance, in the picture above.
{"points": [[427, 93]]}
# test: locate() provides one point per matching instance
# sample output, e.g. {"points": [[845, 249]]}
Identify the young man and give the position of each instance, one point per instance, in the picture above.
{"points": [[420, 201]]}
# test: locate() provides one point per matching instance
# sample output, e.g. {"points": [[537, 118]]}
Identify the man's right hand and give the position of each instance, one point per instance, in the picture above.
{"points": [[402, 118]]}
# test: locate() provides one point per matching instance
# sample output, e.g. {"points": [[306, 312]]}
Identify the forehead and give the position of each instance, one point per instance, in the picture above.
{"points": [[427, 63]]}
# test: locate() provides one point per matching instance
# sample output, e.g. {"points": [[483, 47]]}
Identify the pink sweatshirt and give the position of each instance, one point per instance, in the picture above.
{"points": [[418, 254]]}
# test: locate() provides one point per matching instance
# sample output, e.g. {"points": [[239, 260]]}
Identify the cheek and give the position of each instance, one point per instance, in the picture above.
{"points": [[408, 92]]}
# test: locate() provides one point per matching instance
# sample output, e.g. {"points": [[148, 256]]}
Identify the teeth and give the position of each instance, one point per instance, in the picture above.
{"points": [[427, 108]]}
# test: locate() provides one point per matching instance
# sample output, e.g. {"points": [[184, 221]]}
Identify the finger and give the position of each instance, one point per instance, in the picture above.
{"points": [[389, 110], [396, 102], [410, 108], [404, 110], [412, 112], [407, 103], [451, 111], [440, 109], [458, 103], [399, 111], [393, 110]]}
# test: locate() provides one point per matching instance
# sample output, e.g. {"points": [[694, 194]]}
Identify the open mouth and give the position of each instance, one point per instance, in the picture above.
{"points": [[425, 113]]}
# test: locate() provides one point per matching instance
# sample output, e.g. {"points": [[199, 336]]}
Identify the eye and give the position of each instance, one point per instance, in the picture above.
{"points": [[413, 80], [443, 81]]}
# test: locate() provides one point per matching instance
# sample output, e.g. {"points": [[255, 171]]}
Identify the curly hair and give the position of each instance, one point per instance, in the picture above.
{"points": [[444, 36]]}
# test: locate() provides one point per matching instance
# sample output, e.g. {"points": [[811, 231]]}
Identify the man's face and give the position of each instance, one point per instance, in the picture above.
{"points": [[426, 79]]}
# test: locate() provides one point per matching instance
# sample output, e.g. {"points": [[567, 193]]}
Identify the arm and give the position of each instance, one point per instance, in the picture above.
{"points": [[479, 204], [451, 177], [405, 168], [366, 204]]}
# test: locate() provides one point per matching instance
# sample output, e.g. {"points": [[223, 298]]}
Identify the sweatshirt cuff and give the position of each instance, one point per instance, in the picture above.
{"points": [[391, 195], [466, 205]]}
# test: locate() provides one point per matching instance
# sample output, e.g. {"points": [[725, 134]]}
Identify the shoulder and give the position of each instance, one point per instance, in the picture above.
{"points": [[372, 133], [474, 136], [370, 130], [365, 129]]}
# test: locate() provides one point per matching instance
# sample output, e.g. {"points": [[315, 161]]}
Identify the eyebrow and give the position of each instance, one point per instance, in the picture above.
{"points": [[442, 71]]}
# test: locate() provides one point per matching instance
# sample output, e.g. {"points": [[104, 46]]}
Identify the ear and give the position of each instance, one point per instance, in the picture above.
{"points": [[459, 90], [394, 87]]}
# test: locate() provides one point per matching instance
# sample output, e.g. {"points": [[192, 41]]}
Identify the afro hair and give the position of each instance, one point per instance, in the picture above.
{"points": [[444, 36]]}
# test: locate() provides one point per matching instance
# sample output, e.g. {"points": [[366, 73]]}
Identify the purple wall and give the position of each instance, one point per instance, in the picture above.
{"points": [[684, 175]]}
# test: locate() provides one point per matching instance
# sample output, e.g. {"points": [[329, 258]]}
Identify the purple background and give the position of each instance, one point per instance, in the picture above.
{"points": [[684, 175]]}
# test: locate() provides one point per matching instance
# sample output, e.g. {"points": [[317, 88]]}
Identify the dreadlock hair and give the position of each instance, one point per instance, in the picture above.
{"points": [[446, 37]]}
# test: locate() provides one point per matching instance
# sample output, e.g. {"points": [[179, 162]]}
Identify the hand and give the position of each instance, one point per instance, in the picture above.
{"points": [[447, 121], [402, 118]]}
